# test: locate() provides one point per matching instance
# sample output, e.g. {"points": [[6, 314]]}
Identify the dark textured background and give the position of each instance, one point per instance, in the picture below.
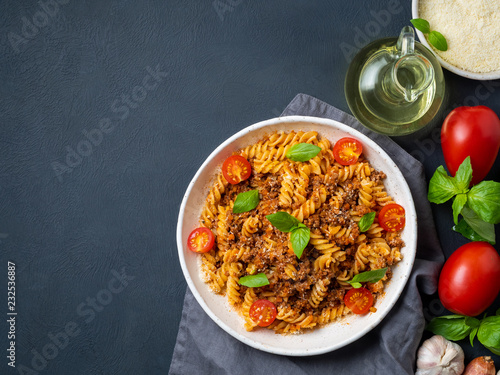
{"points": [[225, 65]]}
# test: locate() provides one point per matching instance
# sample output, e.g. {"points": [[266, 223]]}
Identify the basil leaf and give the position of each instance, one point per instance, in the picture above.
{"points": [[472, 322], [366, 221], [302, 152], [472, 335], [498, 312], [451, 327], [355, 284], [480, 227], [457, 206], [484, 199], [489, 332], [246, 201], [283, 221], [463, 176], [465, 230], [368, 277], [300, 238], [495, 351], [254, 281], [438, 40], [422, 25], [442, 187]]}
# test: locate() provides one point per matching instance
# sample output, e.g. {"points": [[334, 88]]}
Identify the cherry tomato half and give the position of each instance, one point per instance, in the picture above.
{"points": [[469, 280], [263, 312], [236, 169], [347, 150], [201, 240], [392, 217], [359, 300]]}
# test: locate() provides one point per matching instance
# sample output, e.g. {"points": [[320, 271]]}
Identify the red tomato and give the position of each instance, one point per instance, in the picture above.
{"points": [[347, 150], [359, 300], [236, 169], [392, 217], [470, 279], [263, 312], [474, 132], [201, 240]]}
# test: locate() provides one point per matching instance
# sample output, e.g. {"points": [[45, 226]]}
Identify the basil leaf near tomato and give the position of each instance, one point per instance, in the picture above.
{"points": [[367, 277], [442, 187], [366, 221], [451, 327], [489, 332], [474, 324], [246, 201], [302, 152], [473, 228], [254, 281], [463, 176], [484, 199], [458, 204]]}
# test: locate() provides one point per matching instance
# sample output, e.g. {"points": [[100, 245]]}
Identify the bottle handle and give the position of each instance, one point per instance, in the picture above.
{"points": [[410, 61]]}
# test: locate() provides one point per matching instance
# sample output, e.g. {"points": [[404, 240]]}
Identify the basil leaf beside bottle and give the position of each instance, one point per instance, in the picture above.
{"points": [[422, 25], [438, 40]]}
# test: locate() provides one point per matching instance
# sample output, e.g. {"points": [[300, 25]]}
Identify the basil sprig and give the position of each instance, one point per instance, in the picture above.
{"points": [[473, 228], [302, 152], [366, 221], [458, 327], [479, 205], [254, 281], [299, 233], [367, 277], [435, 38], [246, 201]]}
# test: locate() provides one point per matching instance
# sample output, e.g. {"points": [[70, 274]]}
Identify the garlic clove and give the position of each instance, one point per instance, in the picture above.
{"points": [[438, 356]]}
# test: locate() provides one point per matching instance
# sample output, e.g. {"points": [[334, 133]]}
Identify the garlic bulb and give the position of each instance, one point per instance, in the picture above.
{"points": [[438, 356]]}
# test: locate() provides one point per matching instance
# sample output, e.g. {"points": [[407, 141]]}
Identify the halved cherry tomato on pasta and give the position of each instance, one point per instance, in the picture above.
{"points": [[359, 300], [347, 150], [236, 169], [263, 312], [392, 217], [201, 240]]}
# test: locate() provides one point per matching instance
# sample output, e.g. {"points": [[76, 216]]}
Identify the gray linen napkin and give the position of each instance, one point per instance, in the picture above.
{"points": [[204, 348]]}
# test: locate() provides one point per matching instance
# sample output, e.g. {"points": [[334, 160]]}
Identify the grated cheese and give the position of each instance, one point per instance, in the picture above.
{"points": [[472, 30]]}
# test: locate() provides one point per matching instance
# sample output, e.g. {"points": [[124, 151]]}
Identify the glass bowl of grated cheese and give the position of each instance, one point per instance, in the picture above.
{"points": [[472, 30]]}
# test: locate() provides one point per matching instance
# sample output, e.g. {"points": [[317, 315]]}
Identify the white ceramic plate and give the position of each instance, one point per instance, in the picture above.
{"points": [[334, 335], [444, 63]]}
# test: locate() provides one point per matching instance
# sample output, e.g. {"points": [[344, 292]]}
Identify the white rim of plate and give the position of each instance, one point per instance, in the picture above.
{"points": [[452, 68], [411, 213]]}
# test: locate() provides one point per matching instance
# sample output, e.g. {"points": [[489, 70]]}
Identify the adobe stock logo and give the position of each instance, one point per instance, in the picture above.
{"points": [[372, 29], [31, 26], [87, 310]]}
